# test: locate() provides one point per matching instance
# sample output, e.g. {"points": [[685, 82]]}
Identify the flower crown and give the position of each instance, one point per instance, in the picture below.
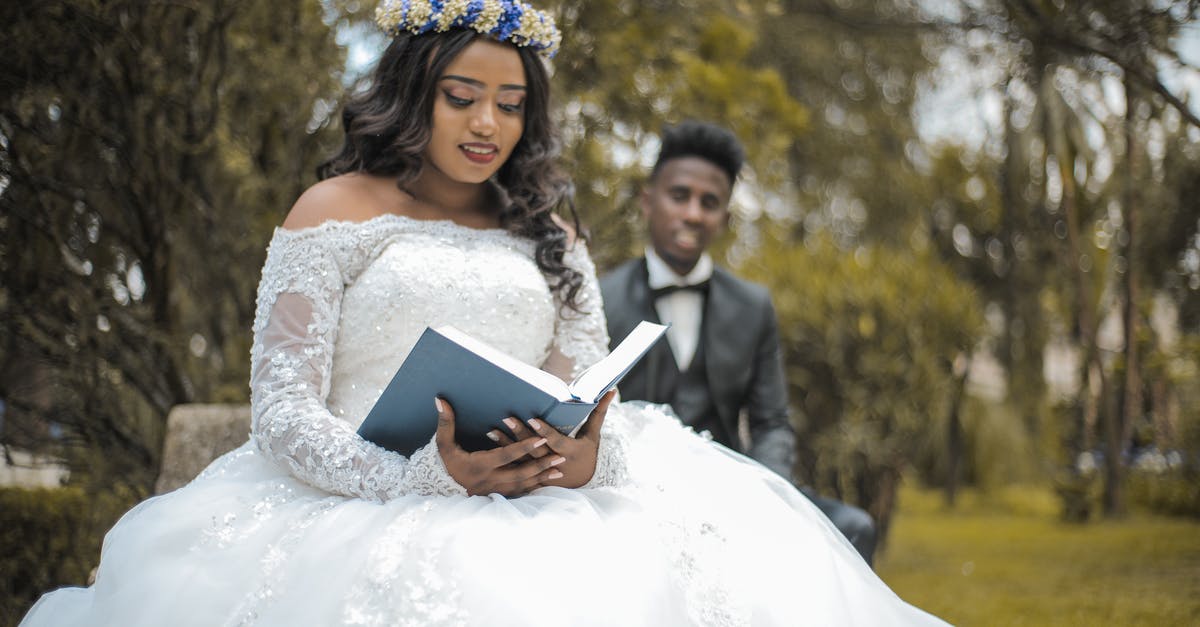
{"points": [[504, 20]]}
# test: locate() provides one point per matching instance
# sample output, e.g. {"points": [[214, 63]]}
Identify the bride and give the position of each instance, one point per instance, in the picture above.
{"points": [[439, 209]]}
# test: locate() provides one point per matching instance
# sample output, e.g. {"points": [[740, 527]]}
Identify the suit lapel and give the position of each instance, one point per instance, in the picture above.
{"points": [[660, 355], [722, 338], [640, 297]]}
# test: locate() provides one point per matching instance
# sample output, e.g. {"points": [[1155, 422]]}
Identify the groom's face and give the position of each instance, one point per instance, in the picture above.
{"points": [[686, 207]]}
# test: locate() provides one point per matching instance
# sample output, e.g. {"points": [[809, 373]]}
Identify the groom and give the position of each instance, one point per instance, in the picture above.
{"points": [[722, 355]]}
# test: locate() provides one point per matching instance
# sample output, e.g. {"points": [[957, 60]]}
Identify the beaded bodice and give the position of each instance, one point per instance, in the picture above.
{"points": [[481, 282], [339, 307]]}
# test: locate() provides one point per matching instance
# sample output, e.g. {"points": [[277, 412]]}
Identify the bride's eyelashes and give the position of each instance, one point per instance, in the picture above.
{"points": [[460, 102]]}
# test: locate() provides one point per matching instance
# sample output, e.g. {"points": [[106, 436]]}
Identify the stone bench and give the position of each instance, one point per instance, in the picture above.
{"points": [[196, 435]]}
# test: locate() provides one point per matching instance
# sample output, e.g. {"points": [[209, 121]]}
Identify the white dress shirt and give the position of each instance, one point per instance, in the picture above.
{"points": [[683, 310]]}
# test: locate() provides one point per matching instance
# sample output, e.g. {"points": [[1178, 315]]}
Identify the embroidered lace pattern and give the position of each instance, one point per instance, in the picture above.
{"points": [[274, 561], [582, 338], [611, 469], [340, 305], [405, 583], [699, 549], [296, 325]]}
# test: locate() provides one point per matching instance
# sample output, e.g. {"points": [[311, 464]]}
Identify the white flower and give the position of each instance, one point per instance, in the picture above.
{"points": [[418, 16], [489, 16], [452, 10]]}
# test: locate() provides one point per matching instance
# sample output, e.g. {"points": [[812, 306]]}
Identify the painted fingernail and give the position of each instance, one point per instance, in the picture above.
{"points": [[510, 423], [554, 474], [437, 402], [493, 436], [558, 461], [536, 424], [539, 443]]}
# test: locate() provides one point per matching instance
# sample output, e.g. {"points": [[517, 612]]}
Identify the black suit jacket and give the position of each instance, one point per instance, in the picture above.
{"points": [[743, 359]]}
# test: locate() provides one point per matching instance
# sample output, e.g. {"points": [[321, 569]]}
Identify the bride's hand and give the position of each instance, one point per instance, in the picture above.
{"points": [[579, 451], [487, 472]]}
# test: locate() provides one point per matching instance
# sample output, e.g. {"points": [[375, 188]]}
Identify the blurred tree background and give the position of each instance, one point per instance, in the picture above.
{"points": [[146, 151], [979, 219]]}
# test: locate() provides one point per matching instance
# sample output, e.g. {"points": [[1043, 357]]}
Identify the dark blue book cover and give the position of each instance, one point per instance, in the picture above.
{"points": [[484, 387]]}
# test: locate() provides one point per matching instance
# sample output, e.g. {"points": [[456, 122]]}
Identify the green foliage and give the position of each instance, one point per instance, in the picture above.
{"points": [[717, 83], [1173, 488], [1007, 250], [858, 169], [998, 450], [629, 68], [147, 152], [1175, 493], [1052, 217], [869, 337], [50, 538]]}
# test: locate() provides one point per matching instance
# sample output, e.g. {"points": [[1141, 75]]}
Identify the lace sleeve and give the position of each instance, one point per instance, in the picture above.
{"points": [[295, 328], [580, 340]]}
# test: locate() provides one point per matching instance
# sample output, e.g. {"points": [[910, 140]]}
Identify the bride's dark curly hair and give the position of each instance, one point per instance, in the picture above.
{"points": [[387, 128]]}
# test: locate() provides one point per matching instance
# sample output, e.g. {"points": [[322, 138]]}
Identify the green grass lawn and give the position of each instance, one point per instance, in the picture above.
{"points": [[1007, 560]]}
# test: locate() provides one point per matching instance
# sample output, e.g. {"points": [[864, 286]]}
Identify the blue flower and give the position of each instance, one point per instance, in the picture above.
{"points": [[510, 21]]}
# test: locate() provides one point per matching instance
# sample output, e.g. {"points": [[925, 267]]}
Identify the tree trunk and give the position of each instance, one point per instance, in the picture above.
{"points": [[1120, 427], [1092, 379], [954, 435]]}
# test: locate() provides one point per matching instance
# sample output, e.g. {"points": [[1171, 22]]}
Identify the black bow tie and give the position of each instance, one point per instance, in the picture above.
{"points": [[700, 288]]}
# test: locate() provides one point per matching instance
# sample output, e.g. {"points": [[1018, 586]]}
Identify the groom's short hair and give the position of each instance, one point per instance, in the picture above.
{"points": [[715, 144]]}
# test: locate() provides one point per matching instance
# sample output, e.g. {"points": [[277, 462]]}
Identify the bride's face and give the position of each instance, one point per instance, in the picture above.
{"points": [[478, 112]]}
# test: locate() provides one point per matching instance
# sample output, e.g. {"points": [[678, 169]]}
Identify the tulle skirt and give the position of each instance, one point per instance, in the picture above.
{"points": [[703, 536]]}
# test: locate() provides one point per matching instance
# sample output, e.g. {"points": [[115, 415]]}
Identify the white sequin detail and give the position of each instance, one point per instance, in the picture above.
{"points": [[339, 307]]}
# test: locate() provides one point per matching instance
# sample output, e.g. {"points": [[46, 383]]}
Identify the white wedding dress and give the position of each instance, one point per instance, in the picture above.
{"points": [[308, 524]]}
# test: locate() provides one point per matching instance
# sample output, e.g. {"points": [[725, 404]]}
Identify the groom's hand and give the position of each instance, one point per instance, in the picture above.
{"points": [[494, 471]]}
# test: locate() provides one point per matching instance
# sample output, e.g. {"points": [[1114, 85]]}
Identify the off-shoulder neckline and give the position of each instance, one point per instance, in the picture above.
{"points": [[438, 224], [417, 225]]}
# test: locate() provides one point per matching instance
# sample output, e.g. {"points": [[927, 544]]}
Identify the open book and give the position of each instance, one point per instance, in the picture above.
{"points": [[484, 385]]}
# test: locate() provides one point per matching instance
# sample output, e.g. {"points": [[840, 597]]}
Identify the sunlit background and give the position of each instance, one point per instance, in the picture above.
{"points": [[979, 219]]}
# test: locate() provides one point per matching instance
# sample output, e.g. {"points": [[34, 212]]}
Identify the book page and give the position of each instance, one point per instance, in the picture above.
{"points": [[537, 377], [596, 380]]}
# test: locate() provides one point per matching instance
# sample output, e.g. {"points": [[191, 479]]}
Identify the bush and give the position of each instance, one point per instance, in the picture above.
{"points": [[49, 538], [1170, 483], [869, 337], [1173, 492], [998, 450], [1079, 495]]}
